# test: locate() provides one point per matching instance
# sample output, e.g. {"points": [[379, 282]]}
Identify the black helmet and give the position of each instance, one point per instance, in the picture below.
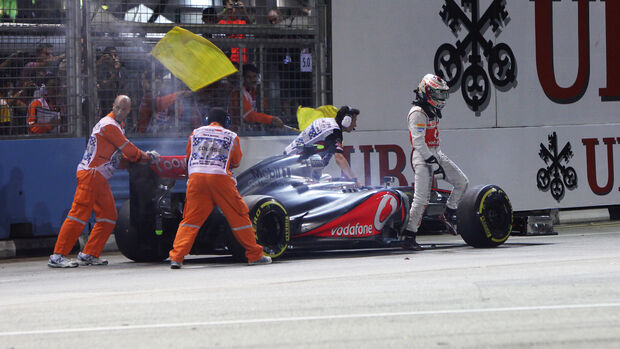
{"points": [[218, 115]]}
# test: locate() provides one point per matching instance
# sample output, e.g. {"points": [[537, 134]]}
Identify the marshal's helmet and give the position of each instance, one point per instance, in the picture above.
{"points": [[434, 90]]}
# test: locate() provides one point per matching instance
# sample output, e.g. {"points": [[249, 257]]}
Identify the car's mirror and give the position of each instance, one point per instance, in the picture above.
{"points": [[390, 181], [315, 161]]}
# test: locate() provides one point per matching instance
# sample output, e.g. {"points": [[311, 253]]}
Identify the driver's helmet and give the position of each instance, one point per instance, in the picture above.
{"points": [[434, 90]]}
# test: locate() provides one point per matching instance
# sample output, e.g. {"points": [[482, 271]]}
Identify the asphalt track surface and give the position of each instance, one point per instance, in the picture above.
{"points": [[559, 291]]}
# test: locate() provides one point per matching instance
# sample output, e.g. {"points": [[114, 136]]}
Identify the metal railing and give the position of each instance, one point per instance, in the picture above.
{"points": [[63, 62]]}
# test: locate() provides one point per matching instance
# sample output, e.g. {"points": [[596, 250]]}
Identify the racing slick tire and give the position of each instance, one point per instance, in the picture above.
{"points": [[139, 246], [484, 216], [271, 225]]}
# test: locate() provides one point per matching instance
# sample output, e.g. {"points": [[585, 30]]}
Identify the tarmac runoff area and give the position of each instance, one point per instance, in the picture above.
{"points": [[551, 291]]}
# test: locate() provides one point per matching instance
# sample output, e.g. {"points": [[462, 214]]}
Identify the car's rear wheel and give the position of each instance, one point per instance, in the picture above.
{"points": [[484, 216], [136, 242], [272, 226]]}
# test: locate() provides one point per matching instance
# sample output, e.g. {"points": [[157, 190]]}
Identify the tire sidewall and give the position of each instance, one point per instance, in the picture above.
{"points": [[268, 207], [471, 222], [132, 243]]}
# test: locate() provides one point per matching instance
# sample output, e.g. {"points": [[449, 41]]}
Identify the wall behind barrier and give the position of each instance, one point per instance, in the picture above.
{"points": [[37, 183], [37, 180]]}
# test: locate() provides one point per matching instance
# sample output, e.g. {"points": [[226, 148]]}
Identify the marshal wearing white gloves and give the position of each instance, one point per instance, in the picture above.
{"points": [[427, 159]]}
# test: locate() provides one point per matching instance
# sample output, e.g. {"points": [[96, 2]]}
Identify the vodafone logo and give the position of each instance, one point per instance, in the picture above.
{"points": [[387, 207], [352, 230]]}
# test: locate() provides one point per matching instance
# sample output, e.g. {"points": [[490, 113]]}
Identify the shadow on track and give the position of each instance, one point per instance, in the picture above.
{"points": [[293, 254]]}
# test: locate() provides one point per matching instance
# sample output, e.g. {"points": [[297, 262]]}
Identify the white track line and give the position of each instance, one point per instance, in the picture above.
{"points": [[308, 318]]}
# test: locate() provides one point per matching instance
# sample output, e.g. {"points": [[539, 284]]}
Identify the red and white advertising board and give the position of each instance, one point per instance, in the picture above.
{"points": [[540, 113]]}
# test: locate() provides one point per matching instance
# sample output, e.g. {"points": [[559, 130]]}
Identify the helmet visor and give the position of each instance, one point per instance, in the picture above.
{"points": [[439, 95]]}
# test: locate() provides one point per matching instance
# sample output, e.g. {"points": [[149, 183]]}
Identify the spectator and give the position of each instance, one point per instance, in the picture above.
{"points": [[234, 12], [274, 16], [19, 101], [6, 110], [12, 66], [60, 97], [216, 95], [43, 66], [164, 105], [110, 77], [43, 115], [193, 110], [301, 17], [8, 61], [251, 78], [271, 65], [209, 16], [12, 105]]}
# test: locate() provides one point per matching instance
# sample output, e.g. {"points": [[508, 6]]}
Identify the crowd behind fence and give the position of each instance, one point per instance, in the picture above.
{"points": [[62, 63]]}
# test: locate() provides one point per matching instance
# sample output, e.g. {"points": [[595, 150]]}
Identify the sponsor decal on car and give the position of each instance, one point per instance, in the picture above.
{"points": [[271, 173], [387, 207], [171, 166], [356, 229], [367, 219]]}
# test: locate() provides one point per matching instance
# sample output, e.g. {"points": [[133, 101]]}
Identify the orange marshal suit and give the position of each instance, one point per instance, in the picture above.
{"points": [[211, 152], [106, 147]]}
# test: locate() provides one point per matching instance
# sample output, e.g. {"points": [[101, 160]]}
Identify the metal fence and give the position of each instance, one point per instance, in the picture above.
{"points": [[62, 63]]}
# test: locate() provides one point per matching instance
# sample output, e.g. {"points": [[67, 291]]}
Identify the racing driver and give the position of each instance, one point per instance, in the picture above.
{"points": [[324, 136], [427, 160], [211, 152]]}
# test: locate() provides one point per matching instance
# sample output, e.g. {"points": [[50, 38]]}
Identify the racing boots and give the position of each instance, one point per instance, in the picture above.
{"points": [[449, 219], [410, 244]]}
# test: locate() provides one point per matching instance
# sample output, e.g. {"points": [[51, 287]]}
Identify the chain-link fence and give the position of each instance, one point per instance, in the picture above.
{"points": [[63, 63]]}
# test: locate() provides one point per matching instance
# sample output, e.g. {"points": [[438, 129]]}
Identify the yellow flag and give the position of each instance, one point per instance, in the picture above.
{"points": [[305, 116], [192, 58]]}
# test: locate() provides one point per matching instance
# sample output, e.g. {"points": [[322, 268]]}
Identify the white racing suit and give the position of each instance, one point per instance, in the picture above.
{"points": [[424, 134]]}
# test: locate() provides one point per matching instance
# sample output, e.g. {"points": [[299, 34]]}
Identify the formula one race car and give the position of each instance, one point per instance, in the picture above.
{"points": [[293, 205]]}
